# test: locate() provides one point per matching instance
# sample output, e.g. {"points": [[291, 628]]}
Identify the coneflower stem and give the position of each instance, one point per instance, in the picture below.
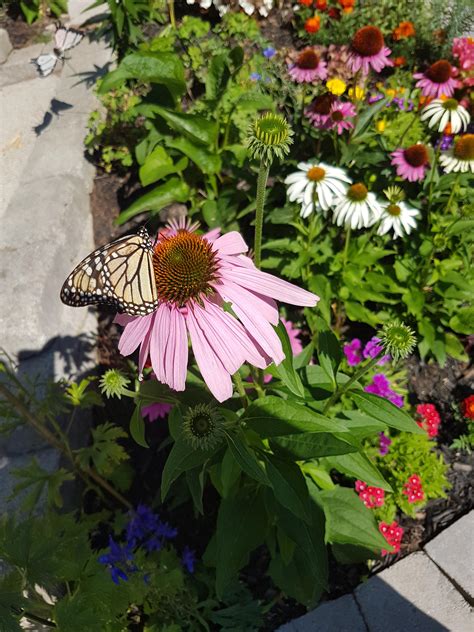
{"points": [[239, 385], [339, 392], [346, 247], [263, 172], [171, 12]]}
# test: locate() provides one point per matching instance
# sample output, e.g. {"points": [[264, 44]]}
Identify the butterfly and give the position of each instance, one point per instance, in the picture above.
{"points": [[119, 274], [64, 39]]}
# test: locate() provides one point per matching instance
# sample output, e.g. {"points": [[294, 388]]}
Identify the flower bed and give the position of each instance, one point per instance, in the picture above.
{"points": [[268, 421]]}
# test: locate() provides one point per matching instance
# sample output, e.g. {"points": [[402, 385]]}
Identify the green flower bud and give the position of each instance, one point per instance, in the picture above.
{"points": [[113, 383], [394, 194], [269, 137], [203, 427], [397, 339]]}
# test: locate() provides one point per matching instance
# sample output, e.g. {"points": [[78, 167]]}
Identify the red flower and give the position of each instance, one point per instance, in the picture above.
{"points": [[306, 3], [399, 61], [393, 533], [312, 25], [347, 5], [430, 419], [413, 489], [321, 5], [370, 496], [468, 407], [403, 30], [334, 13]]}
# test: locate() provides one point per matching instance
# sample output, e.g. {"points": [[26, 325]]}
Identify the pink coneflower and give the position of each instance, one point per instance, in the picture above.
{"points": [[368, 51], [308, 67], [437, 80], [294, 335], [411, 162], [157, 410], [340, 116], [195, 276], [319, 109]]}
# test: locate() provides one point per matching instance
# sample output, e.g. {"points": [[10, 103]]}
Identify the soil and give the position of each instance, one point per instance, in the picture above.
{"points": [[22, 34]]}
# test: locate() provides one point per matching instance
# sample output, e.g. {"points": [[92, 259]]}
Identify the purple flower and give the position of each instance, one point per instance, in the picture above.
{"points": [[255, 76], [269, 52], [384, 443], [445, 142], [381, 386], [146, 528], [157, 410], [373, 348], [117, 559], [188, 559], [352, 351], [376, 97]]}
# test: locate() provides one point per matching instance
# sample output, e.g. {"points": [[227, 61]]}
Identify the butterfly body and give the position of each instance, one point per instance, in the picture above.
{"points": [[119, 274], [64, 39]]}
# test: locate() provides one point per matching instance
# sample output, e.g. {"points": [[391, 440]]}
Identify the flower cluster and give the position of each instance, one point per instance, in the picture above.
{"points": [[370, 496], [393, 533], [413, 489], [380, 386], [355, 353], [384, 444], [468, 407], [430, 419]]}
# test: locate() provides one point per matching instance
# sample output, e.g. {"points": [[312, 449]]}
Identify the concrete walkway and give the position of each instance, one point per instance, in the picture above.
{"points": [[46, 227], [428, 591]]}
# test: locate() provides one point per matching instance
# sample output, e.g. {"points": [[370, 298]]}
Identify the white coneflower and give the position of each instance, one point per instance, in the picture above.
{"points": [[398, 218], [444, 111], [357, 207], [461, 156], [316, 182]]}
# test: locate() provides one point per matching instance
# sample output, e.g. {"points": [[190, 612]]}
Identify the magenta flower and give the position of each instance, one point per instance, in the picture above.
{"points": [[157, 410], [308, 67], [463, 49], [437, 80], [196, 275], [352, 351], [384, 444], [340, 116], [319, 109], [373, 348], [380, 386], [368, 51], [412, 162], [294, 336]]}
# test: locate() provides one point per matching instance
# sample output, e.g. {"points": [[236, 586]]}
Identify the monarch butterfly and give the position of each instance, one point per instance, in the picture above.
{"points": [[118, 274], [64, 39]]}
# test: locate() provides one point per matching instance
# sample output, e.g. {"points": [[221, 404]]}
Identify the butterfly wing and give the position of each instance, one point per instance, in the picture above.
{"points": [[46, 63], [73, 38], [118, 274], [60, 37]]}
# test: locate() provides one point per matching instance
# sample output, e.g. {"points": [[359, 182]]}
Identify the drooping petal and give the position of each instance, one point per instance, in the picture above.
{"points": [[230, 244], [180, 364], [158, 342], [232, 292], [216, 377], [134, 333]]}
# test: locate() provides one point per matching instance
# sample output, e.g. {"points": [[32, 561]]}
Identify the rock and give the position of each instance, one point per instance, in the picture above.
{"points": [[453, 552], [413, 595], [340, 615], [5, 46]]}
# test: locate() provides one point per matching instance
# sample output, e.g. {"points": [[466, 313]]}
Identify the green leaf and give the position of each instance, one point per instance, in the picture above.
{"points": [[348, 521], [241, 527], [365, 118], [208, 162], [197, 128], [289, 486], [286, 370], [182, 457], [75, 615], [358, 466], [311, 444], [274, 417], [35, 477], [161, 68], [329, 354], [159, 164], [11, 597], [229, 471], [246, 458], [105, 453], [463, 321], [137, 427], [218, 75], [174, 190], [361, 425], [384, 411], [195, 480]]}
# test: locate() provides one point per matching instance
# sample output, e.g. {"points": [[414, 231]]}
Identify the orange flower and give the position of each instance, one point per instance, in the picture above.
{"points": [[306, 3], [312, 25], [448, 130], [347, 5], [399, 61], [404, 30], [321, 5]]}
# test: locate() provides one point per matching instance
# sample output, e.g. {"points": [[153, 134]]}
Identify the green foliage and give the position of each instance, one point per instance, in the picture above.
{"points": [[36, 9], [105, 453]]}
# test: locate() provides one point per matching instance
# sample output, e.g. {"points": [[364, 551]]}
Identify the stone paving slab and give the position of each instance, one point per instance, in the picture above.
{"points": [[340, 615], [453, 551], [413, 595]]}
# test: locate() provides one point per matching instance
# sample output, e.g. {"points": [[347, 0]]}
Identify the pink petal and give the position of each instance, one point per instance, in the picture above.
{"points": [[232, 292], [158, 342], [231, 244], [216, 377], [180, 356], [213, 234], [269, 285], [145, 349], [123, 319], [134, 333]]}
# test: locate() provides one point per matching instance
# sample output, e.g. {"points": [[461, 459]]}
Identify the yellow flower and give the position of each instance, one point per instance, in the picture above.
{"points": [[391, 92], [336, 86], [357, 93], [381, 125]]}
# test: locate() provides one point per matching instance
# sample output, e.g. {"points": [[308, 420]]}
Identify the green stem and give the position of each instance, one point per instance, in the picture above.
{"points": [[171, 12], [406, 130], [346, 247], [453, 193], [263, 172], [339, 392], [430, 193], [239, 385]]}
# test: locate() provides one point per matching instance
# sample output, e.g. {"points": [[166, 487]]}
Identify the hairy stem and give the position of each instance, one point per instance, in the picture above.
{"points": [[260, 202], [340, 390]]}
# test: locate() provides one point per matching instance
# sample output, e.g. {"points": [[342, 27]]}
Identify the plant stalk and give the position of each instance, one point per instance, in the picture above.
{"points": [[263, 172], [339, 392]]}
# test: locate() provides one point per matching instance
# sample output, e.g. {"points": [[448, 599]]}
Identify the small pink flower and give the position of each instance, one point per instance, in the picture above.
{"points": [[368, 51], [157, 410], [352, 351], [413, 489], [437, 80], [195, 276], [463, 49], [370, 496], [393, 533], [412, 162], [308, 67], [294, 335], [430, 419], [340, 116]]}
